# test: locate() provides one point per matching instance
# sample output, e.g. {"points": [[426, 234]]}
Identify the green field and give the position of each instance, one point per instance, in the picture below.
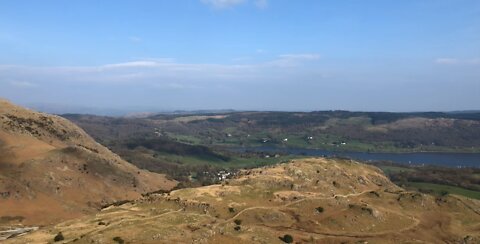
{"points": [[394, 169], [185, 138], [440, 189], [234, 162]]}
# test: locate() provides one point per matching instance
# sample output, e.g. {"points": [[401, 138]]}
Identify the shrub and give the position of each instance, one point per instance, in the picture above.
{"points": [[231, 210], [287, 238], [119, 240], [238, 221], [59, 237], [237, 228], [319, 209], [375, 193]]}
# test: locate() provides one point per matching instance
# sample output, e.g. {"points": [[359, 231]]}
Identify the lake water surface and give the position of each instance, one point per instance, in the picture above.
{"points": [[442, 159]]}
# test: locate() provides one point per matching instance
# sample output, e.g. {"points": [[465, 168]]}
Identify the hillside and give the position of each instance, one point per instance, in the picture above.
{"points": [[329, 130], [51, 170], [185, 145], [303, 201]]}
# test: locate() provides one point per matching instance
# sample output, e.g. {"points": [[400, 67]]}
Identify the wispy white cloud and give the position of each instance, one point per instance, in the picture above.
{"points": [[261, 3], [225, 4], [289, 60], [206, 85], [133, 64], [446, 61], [135, 39], [303, 56], [23, 84], [475, 61], [221, 4], [160, 72], [452, 61], [175, 86], [242, 59]]}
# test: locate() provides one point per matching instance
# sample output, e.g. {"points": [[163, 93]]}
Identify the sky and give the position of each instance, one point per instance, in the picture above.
{"points": [[293, 55]]}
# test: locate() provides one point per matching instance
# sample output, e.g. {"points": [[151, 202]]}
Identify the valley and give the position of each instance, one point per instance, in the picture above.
{"points": [[327, 130], [194, 148], [59, 185], [240, 122]]}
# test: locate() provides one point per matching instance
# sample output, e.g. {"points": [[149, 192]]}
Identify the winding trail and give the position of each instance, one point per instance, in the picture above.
{"points": [[97, 230], [466, 205], [7, 234], [332, 234], [295, 202], [327, 198]]}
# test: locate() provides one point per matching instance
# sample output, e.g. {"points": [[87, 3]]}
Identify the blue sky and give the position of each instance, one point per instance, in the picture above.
{"points": [[409, 55]]}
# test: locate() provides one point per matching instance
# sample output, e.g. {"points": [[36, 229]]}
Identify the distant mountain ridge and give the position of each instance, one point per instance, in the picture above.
{"points": [[146, 111], [328, 130]]}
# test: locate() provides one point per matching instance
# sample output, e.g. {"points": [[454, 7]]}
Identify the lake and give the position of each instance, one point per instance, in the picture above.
{"points": [[421, 158]]}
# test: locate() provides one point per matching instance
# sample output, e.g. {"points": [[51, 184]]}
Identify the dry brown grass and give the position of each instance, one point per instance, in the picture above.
{"points": [[51, 170], [362, 206]]}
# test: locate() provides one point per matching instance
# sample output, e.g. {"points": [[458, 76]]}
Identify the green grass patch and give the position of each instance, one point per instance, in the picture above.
{"points": [[394, 169], [185, 138], [230, 130], [254, 162], [188, 159], [440, 189], [234, 162]]}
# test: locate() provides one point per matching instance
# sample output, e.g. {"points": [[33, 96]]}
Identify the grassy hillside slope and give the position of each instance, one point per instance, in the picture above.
{"points": [[51, 170], [303, 201]]}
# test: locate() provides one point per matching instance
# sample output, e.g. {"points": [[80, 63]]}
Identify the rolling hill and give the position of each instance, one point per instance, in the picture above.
{"points": [[51, 170], [303, 201], [328, 130]]}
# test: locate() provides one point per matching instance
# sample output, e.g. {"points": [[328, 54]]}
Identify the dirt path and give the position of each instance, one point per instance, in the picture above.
{"points": [[16, 232], [326, 198], [295, 202], [338, 234]]}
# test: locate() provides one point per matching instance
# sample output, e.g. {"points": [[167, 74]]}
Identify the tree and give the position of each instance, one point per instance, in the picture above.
{"points": [[287, 238], [58, 237], [119, 240]]}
